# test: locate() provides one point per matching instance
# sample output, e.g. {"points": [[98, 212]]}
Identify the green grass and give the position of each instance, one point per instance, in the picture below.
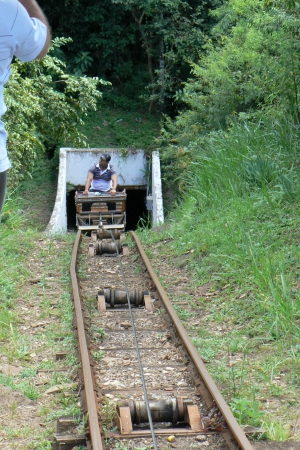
{"points": [[5, 319], [108, 127]]}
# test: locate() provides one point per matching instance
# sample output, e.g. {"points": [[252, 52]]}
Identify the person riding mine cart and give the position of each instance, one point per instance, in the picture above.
{"points": [[94, 205]]}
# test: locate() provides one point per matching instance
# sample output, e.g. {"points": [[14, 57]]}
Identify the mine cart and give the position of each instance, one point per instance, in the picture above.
{"points": [[100, 210]]}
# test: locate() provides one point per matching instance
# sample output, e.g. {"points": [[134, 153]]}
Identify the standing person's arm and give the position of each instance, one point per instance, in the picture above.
{"points": [[35, 11]]}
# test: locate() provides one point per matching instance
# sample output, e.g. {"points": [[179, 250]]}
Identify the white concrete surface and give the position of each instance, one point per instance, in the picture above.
{"points": [[130, 167], [158, 211], [58, 220]]}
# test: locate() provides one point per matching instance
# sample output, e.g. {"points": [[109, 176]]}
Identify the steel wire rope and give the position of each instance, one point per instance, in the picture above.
{"points": [[137, 348]]}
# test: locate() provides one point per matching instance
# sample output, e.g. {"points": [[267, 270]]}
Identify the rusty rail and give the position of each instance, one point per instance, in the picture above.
{"points": [[231, 422], [92, 407]]}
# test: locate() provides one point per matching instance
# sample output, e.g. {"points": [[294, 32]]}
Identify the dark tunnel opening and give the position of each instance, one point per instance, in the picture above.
{"points": [[136, 210]]}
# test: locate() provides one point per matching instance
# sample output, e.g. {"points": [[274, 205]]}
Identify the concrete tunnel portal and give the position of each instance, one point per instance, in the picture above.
{"points": [[139, 175]]}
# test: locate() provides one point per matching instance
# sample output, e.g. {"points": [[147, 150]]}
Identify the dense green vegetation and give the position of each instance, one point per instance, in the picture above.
{"points": [[45, 105], [248, 75], [141, 47], [209, 64]]}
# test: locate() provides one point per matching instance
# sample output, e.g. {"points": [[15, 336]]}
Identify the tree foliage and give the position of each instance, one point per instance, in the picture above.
{"points": [[45, 106], [253, 66], [170, 32], [102, 29], [128, 39], [250, 71]]}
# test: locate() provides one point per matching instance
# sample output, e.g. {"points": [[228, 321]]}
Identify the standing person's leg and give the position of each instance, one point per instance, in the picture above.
{"points": [[3, 179]]}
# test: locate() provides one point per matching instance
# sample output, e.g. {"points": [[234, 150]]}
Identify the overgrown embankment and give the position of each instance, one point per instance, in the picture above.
{"points": [[235, 236]]}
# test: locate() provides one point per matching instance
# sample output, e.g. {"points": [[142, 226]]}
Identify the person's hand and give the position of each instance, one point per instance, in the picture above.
{"points": [[113, 192], [85, 192]]}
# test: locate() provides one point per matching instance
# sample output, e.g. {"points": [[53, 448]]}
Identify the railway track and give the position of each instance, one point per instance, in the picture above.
{"points": [[144, 383]]}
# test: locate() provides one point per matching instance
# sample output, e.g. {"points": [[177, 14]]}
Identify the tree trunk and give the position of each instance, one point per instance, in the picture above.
{"points": [[148, 52], [162, 70]]}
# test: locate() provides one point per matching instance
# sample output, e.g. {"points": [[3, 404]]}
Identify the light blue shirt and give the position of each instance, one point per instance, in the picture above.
{"points": [[20, 36], [102, 178]]}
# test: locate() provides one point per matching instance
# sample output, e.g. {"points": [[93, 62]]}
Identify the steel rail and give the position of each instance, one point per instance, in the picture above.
{"points": [[137, 349], [92, 408], [231, 422]]}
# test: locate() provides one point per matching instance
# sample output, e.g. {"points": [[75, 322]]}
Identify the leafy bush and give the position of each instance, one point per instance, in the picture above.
{"points": [[252, 64], [45, 106]]}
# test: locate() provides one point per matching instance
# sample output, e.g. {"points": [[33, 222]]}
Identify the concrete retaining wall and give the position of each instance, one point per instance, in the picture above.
{"points": [[58, 220], [130, 168], [158, 211]]}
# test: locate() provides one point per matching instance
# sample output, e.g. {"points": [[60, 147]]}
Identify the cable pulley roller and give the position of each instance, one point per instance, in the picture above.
{"points": [[108, 247], [117, 297], [170, 410], [106, 234]]}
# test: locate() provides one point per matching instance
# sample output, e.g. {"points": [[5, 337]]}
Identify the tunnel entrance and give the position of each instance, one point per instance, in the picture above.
{"points": [[136, 210], [71, 210]]}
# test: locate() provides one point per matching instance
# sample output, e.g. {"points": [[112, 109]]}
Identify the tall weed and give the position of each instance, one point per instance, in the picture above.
{"points": [[247, 158], [238, 214]]}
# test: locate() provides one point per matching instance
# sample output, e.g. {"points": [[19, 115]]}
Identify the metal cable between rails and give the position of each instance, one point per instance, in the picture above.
{"points": [[137, 348]]}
